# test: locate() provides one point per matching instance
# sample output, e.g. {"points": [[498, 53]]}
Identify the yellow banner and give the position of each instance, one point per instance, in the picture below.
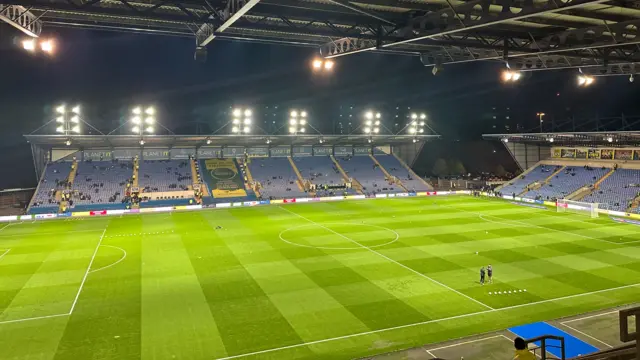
{"points": [[225, 180]]}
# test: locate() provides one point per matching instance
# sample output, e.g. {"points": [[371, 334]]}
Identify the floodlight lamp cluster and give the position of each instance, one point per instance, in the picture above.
{"points": [[241, 121], [324, 65], [585, 80], [297, 121], [143, 120], [511, 76], [46, 46], [68, 120], [372, 122], [417, 123]]}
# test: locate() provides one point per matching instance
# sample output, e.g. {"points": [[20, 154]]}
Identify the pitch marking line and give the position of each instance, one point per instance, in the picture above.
{"points": [[391, 260], [429, 351], [4, 227], [86, 274], [564, 323], [124, 255], [50, 233], [33, 318], [587, 335], [4, 253], [592, 316]]}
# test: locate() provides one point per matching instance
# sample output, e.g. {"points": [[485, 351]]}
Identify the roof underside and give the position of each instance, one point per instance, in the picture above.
{"points": [[131, 141], [609, 139], [597, 35]]}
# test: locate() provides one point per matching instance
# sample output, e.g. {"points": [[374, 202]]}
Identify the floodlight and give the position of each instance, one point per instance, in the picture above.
{"points": [[367, 130], [247, 113], [376, 130], [236, 121], [610, 139], [247, 121], [60, 109], [149, 129], [302, 130], [589, 80], [292, 121], [414, 116], [60, 119], [141, 142], [369, 141], [136, 111], [136, 129], [76, 110], [234, 129], [150, 111], [368, 115], [68, 142], [237, 112], [507, 75], [516, 76], [246, 129], [320, 141], [317, 64], [208, 142], [60, 129], [421, 123], [75, 119], [29, 45], [505, 140], [268, 141], [421, 131], [47, 46], [303, 114], [377, 122], [328, 64], [368, 122], [136, 120], [76, 129], [294, 113], [378, 115], [292, 129], [550, 139], [414, 123], [303, 122], [412, 130], [423, 116], [149, 120]]}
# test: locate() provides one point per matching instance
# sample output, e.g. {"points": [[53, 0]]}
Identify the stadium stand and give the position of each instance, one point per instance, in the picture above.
{"points": [[54, 179], [568, 180], [276, 177], [319, 170], [520, 184], [368, 174], [617, 191], [100, 184], [395, 168], [164, 175]]}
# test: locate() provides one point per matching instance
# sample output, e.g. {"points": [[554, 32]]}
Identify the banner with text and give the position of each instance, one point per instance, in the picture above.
{"points": [[223, 178]]}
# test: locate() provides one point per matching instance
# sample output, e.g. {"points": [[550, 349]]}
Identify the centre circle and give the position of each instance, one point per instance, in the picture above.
{"points": [[309, 231]]}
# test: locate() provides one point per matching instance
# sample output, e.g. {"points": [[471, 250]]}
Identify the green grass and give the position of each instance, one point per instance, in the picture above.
{"points": [[324, 280]]}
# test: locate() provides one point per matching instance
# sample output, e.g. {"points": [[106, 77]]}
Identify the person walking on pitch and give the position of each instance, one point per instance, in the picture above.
{"points": [[482, 275]]}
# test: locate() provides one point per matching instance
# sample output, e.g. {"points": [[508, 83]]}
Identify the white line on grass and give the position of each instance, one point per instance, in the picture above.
{"points": [[32, 318], [4, 227], [591, 316], [429, 352], [84, 279], [391, 260], [466, 342], [4, 253], [50, 233], [124, 255]]}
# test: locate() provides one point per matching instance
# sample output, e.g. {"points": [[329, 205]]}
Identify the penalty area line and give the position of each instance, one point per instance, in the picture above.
{"points": [[4, 253], [86, 274]]}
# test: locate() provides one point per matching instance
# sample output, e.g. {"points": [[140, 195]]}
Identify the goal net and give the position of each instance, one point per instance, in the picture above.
{"points": [[578, 207]]}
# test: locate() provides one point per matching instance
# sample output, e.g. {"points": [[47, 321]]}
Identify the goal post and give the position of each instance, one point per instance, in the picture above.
{"points": [[578, 207]]}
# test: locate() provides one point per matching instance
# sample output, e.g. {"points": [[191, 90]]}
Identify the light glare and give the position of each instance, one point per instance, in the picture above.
{"points": [[47, 46], [29, 45]]}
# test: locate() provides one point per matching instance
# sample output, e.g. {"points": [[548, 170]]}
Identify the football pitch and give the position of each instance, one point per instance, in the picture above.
{"points": [[335, 280]]}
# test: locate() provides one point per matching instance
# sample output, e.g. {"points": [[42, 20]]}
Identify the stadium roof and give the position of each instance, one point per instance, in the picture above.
{"points": [[114, 141], [595, 138], [599, 36]]}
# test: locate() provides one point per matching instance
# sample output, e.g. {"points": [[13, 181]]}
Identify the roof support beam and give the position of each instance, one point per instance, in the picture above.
{"points": [[21, 19], [234, 11], [361, 11], [437, 24]]}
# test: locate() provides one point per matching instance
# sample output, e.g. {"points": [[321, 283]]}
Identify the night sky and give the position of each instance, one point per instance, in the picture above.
{"points": [[108, 73]]}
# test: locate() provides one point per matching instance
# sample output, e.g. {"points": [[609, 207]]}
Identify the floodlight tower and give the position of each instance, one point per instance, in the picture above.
{"points": [[68, 121], [417, 123], [143, 121], [372, 122], [297, 122], [242, 120]]}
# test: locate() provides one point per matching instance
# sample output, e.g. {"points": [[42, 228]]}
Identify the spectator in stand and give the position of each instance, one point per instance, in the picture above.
{"points": [[522, 352]]}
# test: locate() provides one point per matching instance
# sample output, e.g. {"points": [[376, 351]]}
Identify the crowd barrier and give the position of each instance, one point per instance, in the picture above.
{"points": [[98, 213]]}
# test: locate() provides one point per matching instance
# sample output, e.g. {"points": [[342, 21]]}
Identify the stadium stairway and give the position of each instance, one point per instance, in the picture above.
{"points": [[525, 173], [250, 180], [413, 173], [538, 184], [597, 184], [355, 184], [586, 190], [387, 175], [64, 205], [301, 181]]}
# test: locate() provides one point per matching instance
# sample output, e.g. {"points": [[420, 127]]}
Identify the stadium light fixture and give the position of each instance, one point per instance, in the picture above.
{"points": [[139, 124], [585, 80], [610, 139], [317, 64], [328, 64], [511, 76], [67, 122], [68, 142], [61, 109], [149, 129], [208, 142], [76, 129], [505, 140], [150, 111], [241, 120], [29, 45], [416, 127], [323, 65], [60, 119], [136, 129], [141, 142], [47, 46], [371, 126], [297, 121], [75, 119], [60, 129], [76, 110], [136, 110]]}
